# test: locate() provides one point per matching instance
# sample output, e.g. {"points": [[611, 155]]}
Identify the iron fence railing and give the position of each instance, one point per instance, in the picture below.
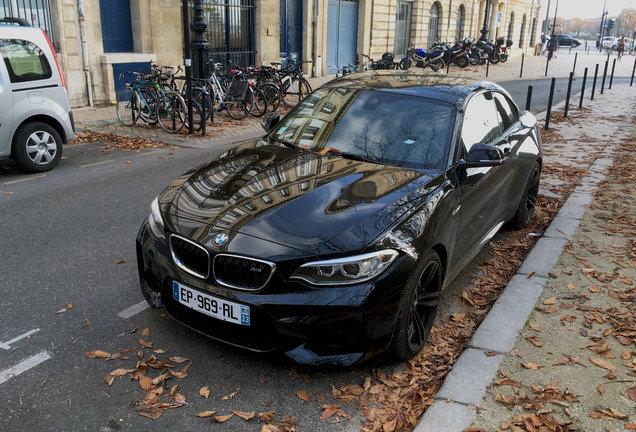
{"points": [[36, 12], [230, 30]]}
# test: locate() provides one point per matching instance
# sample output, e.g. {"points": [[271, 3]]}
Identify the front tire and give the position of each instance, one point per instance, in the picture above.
{"points": [[503, 57], [418, 307], [528, 201], [37, 147], [405, 64]]}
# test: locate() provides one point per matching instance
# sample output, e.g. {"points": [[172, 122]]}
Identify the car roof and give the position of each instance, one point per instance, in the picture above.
{"points": [[451, 89]]}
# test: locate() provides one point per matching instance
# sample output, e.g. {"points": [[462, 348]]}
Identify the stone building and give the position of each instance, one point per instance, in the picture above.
{"points": [[97, 40]]}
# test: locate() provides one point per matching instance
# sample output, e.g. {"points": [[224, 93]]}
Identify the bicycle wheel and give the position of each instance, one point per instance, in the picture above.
{"points": [[172, 112], [206, 99], [127, 107], [259, 108], [196, 117], [272, 94], [150, 94], [238, 110], [294, 92]]}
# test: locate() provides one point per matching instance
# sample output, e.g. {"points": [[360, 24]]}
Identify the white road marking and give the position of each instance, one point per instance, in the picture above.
{"points": [[134, 310], [7, 345], [96, 163], [24, 366], [24, 179]]}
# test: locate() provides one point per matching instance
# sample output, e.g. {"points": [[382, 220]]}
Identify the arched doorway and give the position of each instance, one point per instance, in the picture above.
{"points": [[459, 26], [523, 31], [342, 31], [402, 27], [511, 25], [433, 24]]}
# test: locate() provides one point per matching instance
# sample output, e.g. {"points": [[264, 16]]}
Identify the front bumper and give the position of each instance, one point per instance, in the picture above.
{"points": [[333, 325]]}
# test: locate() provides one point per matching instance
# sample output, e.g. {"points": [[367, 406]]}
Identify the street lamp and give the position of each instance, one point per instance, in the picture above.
{"points": [[200, 46], [484, 29], [600, 31]]}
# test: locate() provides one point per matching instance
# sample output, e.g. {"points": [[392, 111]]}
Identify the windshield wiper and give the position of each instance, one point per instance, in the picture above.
{"points": [[351, 156], [358, 158], [283, 142]]}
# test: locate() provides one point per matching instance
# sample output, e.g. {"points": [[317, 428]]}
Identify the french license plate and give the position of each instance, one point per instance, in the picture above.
{"points": [[210, 305]]}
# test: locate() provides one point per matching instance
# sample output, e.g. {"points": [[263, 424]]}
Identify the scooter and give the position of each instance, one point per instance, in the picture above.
{"points": [[501, 46], [420, 58]]}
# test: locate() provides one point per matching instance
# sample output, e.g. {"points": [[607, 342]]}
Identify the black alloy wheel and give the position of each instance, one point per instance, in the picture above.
{"points": [[528, 200], [418, 307]]}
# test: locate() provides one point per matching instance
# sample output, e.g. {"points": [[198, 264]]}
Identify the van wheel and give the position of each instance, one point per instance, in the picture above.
{"points": [[37, 147]]}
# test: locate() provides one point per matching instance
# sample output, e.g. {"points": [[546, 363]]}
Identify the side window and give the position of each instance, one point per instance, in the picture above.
{"points": [[481, 124], [507, 111], [25, 61]]}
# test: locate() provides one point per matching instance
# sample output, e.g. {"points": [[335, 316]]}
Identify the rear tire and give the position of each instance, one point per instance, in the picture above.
{"points": [[36, 147], [259, 108], [418, 307], [437, 65], [462, 61], [503, 58], [528, 201]]}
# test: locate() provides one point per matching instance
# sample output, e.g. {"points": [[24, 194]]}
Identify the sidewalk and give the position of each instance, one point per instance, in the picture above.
{"points": [[556, 350]]}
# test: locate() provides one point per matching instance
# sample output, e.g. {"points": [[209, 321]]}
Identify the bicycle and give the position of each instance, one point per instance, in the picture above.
{"points": [[235, 97], [150, 98], [291, 81]]}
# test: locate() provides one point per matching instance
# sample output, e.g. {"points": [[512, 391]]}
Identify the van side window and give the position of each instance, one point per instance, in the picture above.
{"points": [[25, 61]]}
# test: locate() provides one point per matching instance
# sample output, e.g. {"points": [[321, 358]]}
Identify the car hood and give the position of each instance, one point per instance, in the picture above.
{"points": [[318, 204]]}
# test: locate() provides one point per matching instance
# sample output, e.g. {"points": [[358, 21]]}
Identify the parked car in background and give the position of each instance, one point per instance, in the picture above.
{"points": [[331, 238], [610, 42], [35, 118], [567, 40]]}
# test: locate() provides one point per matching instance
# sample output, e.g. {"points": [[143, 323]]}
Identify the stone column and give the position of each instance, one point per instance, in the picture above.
{"points": [[492, 28]]}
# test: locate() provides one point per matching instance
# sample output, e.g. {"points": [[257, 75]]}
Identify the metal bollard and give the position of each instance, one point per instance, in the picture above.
{"points": [[633, 71], [604, 75], [204, 93], [567, 96], [547, 62], [576, 55], [487, 65], [529, 98], [594, 83], [583, 88], [523, 57], [612, 75], [547, 116]]}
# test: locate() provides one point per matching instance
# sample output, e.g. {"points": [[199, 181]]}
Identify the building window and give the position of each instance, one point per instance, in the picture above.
{"points": [[459, 27]]}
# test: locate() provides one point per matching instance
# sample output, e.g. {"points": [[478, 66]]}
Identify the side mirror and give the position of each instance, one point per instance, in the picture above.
{"points": [[270, 120], [483, 155]]}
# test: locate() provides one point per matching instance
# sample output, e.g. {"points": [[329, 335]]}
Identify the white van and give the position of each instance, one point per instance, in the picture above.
{"points": [[35, 112]]}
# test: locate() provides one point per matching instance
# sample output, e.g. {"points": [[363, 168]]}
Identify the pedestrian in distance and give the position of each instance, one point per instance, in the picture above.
{"points": [[552, 46], [620, 48]]}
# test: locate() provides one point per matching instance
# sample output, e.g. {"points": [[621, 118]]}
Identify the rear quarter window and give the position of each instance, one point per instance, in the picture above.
{"points": [[25, 61]]}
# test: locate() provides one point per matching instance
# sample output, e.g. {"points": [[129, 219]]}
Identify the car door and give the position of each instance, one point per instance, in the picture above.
{"points": [[483, 190], [6, 112]]}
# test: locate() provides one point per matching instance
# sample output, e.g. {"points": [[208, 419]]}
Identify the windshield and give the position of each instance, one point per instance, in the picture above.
{"points": [[381, 126]]}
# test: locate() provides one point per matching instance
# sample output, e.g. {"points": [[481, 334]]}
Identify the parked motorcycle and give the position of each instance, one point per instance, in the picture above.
{"points": [[458, 53], [502, 44], [420, 58], [386, 62]]}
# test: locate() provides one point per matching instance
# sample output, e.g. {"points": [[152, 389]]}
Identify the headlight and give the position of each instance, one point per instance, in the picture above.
{"points": [[154, 219], [343, 271]]}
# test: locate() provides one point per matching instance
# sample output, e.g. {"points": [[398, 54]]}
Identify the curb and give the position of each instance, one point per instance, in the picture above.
{"points": [[454, 406]]}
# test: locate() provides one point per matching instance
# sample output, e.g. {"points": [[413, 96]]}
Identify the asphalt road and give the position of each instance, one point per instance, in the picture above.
{"points": [[65, 290]]}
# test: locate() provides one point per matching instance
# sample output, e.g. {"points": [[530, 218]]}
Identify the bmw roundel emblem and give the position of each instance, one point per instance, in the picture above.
{"points": [[220, 239]]}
